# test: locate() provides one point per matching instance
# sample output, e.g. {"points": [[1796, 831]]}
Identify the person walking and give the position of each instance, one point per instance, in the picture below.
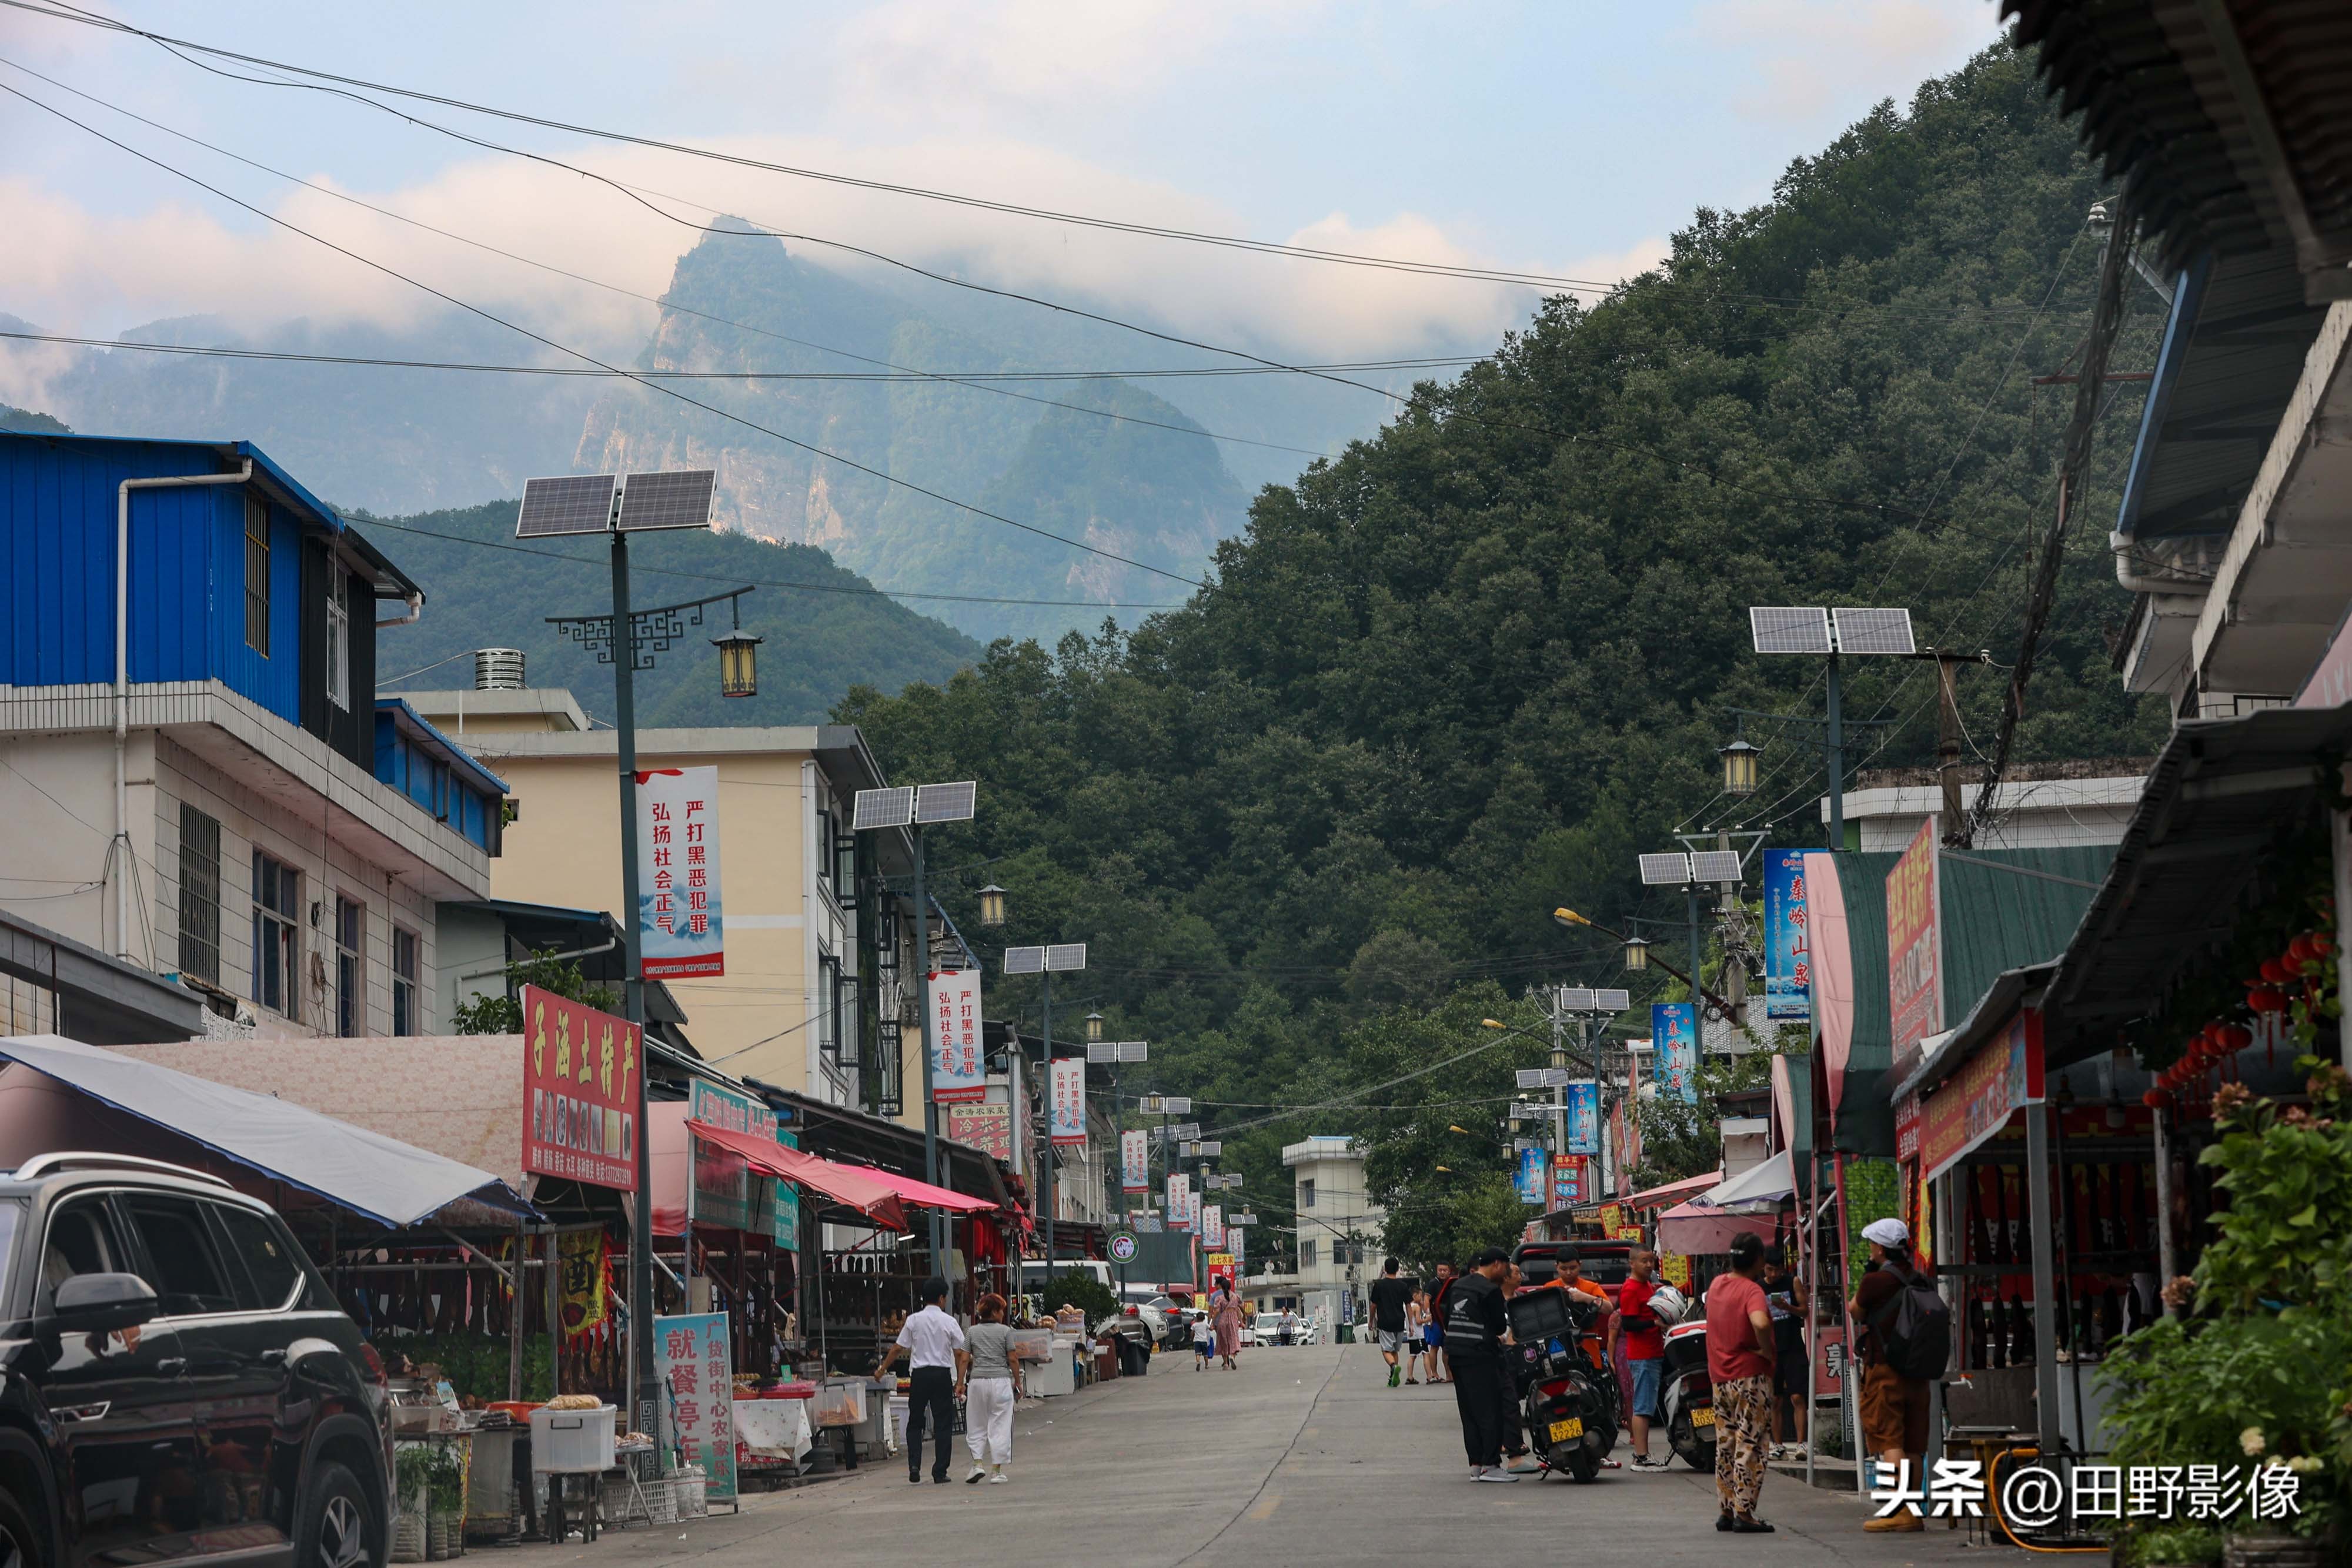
{"points": [[931, 1339], [988, 1381], [1740, 1352], [1225, 1311], [1205, 1342], [1894, 1407], [1437, 1325], [1475, 1322], [1417, 1335], [1391, 1315], [1643, 1341], [1783, 1294]]}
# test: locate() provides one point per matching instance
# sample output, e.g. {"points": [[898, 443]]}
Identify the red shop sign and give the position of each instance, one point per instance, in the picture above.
{"points": [[579, 1073]]}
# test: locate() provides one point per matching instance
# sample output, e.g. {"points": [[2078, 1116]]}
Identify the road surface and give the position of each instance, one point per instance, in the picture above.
{"points": [[1304, 1457]]}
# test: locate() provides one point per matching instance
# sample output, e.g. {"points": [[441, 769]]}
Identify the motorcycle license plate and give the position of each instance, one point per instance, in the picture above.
{"points": [[1565, 1431], [1702, 1417]]}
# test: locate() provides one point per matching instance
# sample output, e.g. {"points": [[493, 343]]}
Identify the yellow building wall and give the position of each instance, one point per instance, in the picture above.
{"points": [[566, 850]]}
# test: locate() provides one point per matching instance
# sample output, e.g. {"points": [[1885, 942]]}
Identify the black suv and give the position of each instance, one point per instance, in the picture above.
{"points": [[180, 1384]]}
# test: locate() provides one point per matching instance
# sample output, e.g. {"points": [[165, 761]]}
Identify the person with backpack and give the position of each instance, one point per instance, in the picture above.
{"points": [[1905, 1340]]}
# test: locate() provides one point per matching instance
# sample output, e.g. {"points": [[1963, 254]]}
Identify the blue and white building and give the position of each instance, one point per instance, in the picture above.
{"points": [[195, 774]]}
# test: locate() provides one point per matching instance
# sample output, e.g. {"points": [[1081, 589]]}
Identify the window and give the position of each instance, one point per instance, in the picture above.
{"points": [[277, 952], [889, 1098], [827, 865], [81, 1242], [405, 965], [269, 1259], [1306, 1254], [828, 1002], [182, 1263], [351, 967], [339, 636], [257, 575], [200, 879], [1307, 1194]]}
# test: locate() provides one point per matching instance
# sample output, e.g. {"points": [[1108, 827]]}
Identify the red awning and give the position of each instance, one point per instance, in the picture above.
{"points": [[855, 1186], [922, 1193], [1674, 1192]]}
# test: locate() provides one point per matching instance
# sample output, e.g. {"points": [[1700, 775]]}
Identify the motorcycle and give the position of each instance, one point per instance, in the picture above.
{"points": [[1686, 1397], [1568, 1406]]}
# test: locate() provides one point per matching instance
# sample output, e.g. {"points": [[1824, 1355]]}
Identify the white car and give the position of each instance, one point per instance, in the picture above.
{"points": [[1268, 1327]]}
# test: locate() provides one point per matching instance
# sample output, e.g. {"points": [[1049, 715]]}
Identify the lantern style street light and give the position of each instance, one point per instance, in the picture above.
{"points": [[1094, 1029], [992, 905], [1739, 766], [739, 663], [1637, 954]]}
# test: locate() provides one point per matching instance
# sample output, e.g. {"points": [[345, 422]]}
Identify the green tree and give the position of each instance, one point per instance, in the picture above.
{"points": [[491, 1012]]}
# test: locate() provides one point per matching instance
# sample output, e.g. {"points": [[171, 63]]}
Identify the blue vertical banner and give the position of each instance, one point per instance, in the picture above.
{"points": [[1583, 1116], [1532, 1164], [696, 1362], [1673, 1034], [1788, 945]]}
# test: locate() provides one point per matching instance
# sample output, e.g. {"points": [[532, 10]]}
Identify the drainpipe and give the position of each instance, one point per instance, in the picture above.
{"points": [[122, 677], [415, 608]]}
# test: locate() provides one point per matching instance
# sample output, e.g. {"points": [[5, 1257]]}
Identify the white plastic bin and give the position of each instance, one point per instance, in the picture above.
{"points": [[572, 1441]]}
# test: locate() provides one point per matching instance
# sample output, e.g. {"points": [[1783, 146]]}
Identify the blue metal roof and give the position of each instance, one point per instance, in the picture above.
{"points": [[407, 717]]}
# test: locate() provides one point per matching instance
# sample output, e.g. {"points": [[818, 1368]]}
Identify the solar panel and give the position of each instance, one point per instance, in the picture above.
{"points": [[1714, 865], [1101, 1051], [1575, 999], [1177, 1106], [1152, 1105], [1062, 958], [1789, 628], [882, 809], [1208, 1148], [1235, 1221], [1612, 1002], [1873, 631], [677, 499], [1659, 870], [1134, 1050], [1022, 961], [1183, 1132], [944, 802], [570, 504], [1529, 1078]]}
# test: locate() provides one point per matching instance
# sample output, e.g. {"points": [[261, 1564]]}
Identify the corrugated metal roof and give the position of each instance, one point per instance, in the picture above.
{"points": [[2220, 796]]}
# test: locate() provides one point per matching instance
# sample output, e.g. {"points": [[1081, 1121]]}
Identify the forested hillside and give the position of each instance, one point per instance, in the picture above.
{"points": [[1467, 671], [483, 590]]}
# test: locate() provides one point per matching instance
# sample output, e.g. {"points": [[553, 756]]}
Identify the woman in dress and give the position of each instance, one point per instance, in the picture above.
{"points": [[1225, 1311]]}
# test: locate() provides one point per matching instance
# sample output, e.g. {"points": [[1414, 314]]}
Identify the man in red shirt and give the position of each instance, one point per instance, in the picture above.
{"points": [[1643, 1340], [1739, 1356]]}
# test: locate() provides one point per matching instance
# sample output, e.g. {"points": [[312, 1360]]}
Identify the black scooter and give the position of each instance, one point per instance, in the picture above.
{"points": [[1568, 1405], [1688, 1398]]}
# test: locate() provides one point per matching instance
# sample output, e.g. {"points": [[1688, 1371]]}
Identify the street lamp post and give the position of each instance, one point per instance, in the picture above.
{"points": [[1045, 962], [629, 640]]}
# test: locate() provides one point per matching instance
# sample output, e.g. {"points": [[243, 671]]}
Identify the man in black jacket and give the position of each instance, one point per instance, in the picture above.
{"points": [[1475, 1322]]}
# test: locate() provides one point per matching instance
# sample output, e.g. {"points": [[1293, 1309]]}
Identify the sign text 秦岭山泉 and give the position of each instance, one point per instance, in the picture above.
{"points": [[1532, 1164], [1915, 991], [1674, 1037], [679, 923], [959, 1059], [581, 1088], [1788, 943], [1583, 1097], [1976, 1103]]}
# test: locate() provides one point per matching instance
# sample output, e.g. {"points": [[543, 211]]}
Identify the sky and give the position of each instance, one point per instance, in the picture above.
{"points": [[1570, 138]]}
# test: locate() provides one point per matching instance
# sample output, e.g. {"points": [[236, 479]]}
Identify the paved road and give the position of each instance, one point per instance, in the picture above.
{"points": [[1304, 1457]]}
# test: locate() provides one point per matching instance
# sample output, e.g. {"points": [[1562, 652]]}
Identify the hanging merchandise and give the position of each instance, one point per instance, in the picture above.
{"points": [[587, 1262]]}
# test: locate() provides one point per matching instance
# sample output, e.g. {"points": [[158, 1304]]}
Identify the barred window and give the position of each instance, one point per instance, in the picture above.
{"points": [[200, 891], [257, 575]]}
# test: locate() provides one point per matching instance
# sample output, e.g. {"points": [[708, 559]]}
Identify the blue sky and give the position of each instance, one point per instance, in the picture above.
{"points": [[1570, 138]]}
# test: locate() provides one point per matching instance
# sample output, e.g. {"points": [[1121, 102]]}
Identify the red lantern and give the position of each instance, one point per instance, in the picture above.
{"points": [[2275, 972], [2264, 999], [2299, 951], [2322, 944], [2155, 1099], [2236, 1037]]}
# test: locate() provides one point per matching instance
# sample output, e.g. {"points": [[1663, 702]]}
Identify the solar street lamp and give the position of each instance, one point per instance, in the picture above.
{"points": [[1809, 629], [1061, 957]]}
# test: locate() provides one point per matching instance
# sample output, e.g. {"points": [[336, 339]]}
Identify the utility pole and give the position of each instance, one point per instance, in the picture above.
{"points": [[923, 999], [645, 1373], [1959, 830], [1834, 749], [1046, 1164]]}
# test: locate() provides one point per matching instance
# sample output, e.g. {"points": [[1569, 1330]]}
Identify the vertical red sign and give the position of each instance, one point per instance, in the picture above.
{"points": [[580, 1070], [1915, 991]]}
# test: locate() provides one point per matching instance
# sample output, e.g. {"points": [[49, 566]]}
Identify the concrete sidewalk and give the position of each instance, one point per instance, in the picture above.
{"points": [[1304, 1457]]}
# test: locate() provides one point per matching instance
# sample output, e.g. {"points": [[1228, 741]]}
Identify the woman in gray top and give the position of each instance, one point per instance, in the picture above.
{"points": [[989, 1380]]}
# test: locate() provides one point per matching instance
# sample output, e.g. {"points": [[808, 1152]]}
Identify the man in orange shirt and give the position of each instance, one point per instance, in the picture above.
{"points": [[1600, 1351]]}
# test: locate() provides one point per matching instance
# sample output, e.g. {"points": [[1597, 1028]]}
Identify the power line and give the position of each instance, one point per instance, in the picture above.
{"points": [[590, 359]]}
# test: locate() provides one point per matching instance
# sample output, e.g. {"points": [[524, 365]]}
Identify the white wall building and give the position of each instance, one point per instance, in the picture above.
{"points": [[2041, 806], [1338, 1240]]}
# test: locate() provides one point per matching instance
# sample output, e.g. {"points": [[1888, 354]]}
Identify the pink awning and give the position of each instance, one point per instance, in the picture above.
{"points": [[1674, 1191], [1691, 1231], [1825, 923], [855, 1186], [922, 1193]]}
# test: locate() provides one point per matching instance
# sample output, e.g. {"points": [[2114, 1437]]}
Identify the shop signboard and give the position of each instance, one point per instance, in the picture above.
{"points": [[1787, 949], [1067, 1083], [1180, 1202], [1134, 1162], [697, 1370], [958, 1063], [988, 1128], [1583, 1116], [1531, 1175], [580, 1092], [1906, 1128], [725, 1192], [678, 921], [1674, 1034], [1571, 1179], [1975, 1103], [1915, 991], [1220, 1260]]}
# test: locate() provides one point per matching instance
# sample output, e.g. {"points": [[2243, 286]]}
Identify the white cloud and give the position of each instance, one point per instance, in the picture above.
{"points": [[1809, 59]]}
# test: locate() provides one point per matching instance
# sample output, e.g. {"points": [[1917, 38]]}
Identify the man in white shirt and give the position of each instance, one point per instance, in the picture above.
{"points": [[929, 1339]]}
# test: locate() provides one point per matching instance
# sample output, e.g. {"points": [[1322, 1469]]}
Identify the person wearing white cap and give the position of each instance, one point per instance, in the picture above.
{"points": [[1894, 1407]]}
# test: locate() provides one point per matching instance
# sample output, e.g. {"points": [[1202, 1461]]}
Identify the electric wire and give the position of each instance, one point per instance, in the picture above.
{"points": [[590, 359]]}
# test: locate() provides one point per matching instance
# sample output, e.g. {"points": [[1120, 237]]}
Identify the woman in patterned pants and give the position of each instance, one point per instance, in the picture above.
{"points": [[1739, 1355]]}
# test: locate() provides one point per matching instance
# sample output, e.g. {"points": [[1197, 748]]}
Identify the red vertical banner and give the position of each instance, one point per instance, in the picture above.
{"points": [[580, 1092], [1915, 991]]}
